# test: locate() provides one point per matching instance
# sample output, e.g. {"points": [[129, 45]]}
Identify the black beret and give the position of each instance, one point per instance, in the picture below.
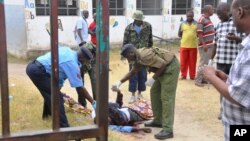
{"points": [[86, 53], [126, 49]]}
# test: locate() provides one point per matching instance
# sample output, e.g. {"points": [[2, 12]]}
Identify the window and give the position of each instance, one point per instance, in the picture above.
{"points": [[116, 7], [65, 7], [211, 2], [229, 2], [149, 7], [181, 6]]}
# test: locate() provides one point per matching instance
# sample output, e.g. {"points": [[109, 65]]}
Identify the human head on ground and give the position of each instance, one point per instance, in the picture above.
{"points": [[190, 16], [241, 15], [208, 10], [223, 11], [138, 17], [85, 14]]}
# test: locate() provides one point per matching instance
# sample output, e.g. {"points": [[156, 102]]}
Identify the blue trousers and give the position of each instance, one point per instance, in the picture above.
{"points": [[42, 81], [137, 82]]}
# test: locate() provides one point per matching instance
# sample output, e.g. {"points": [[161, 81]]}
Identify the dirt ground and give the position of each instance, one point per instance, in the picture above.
{"points": [[195, 113]]}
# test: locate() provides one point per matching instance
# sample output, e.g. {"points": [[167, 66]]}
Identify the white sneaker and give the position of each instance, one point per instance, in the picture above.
{"points": [[132, 100], [139, 96]]}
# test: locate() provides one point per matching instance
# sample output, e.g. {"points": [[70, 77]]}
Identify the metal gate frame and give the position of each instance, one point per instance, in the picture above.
{"points": [[98, 131]]}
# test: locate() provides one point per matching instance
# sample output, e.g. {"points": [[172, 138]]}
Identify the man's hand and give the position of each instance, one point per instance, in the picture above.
{"points": [[150, 82], [231, 36], [205, 47], [221, 75], [115, 87], [207, 72]]}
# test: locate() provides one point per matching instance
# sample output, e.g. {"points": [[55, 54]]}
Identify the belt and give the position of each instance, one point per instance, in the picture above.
{"points": [[38, 63], [171, 61]]}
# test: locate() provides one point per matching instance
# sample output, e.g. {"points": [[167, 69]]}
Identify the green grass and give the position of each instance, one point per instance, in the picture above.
{"points": [[13, 59], [27, 103], [26, 110]]}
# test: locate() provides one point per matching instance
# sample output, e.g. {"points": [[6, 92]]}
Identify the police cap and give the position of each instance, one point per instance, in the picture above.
{"points": [[127, 48]]}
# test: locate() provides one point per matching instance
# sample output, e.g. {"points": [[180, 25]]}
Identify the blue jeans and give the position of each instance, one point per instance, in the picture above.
{"points": [[42, 81], [137, 82]]}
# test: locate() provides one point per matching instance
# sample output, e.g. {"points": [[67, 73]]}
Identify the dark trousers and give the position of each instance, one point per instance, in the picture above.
{"points": [[42, 81], [92, 76], [226, 69], [137, 82]]}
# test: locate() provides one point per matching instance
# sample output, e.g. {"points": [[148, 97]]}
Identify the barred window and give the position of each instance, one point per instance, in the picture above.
{"points": [[181, 6], [116, 7], [214, 3], [149, 7], [65, 7]]}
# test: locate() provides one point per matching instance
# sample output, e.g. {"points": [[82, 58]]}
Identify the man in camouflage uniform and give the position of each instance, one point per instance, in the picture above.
{"points": [[138, 33], [166, 68]]}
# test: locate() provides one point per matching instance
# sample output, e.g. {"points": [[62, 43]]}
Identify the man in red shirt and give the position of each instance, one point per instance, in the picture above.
{"points": [[92, 29]]}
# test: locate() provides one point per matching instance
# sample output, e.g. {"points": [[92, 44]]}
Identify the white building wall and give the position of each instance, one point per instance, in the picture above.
{"points": [[37, 38]]}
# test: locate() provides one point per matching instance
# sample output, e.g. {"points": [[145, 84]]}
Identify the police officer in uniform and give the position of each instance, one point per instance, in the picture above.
{"points": [[166, 68], [70, 62]]}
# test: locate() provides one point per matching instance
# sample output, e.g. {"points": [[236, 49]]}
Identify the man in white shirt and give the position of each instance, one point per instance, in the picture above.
{"points": [[81, 29]]}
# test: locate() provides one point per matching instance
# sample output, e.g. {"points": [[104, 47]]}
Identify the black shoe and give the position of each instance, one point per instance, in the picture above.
{"points": [[152, 124], [164, 135]]}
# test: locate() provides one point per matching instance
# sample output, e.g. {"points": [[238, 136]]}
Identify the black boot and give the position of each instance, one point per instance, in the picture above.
{"points": [[164, 135]]}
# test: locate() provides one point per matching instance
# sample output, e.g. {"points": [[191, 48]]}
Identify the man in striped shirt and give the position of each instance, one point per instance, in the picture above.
{"points": [[206, 37]]}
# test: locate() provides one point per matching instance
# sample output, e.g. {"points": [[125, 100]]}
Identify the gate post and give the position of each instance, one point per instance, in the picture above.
{"points": [[4, 74], [102, 32]]}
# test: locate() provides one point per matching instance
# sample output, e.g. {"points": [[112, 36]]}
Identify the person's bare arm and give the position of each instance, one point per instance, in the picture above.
{"points": [[82, 91], [79, 34], [131, 73]]}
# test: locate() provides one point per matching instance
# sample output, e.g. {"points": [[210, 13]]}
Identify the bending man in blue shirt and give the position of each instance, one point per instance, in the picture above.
{"points": [[69, 62]]}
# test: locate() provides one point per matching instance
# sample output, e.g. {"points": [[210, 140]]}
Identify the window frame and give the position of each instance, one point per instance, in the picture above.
{"points": [[118, 7], [214, 3], [156, 9], [176, 10], [63, 10]]}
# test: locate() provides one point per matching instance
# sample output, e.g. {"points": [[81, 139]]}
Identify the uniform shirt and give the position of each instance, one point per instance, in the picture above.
{"points": [[92, 27], [154, 57], [83, 26], [206, 28], [142, 39], [227, 50], [238, 87], [189, 35], [68, 66]]}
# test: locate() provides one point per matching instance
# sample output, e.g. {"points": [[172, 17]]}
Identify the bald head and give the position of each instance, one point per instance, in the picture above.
{"points": [[208, 10], [245, 4], [190, 16], [223, 11], [223, 7], [241, 15], [85, 13]]}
